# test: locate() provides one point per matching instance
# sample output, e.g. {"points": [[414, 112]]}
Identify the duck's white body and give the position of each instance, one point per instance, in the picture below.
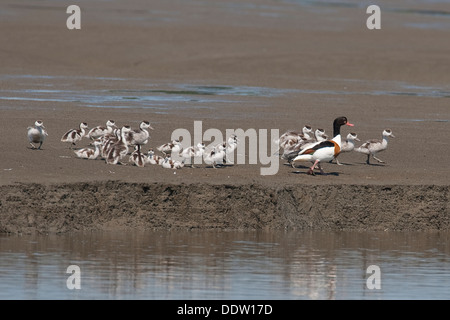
{"points": [[100, 131], [89, 153], [108, 140], [37, 134], [232, 143], [372, 147], [216, 156], [323, 151], [137, 158], [193, 152], [140, 136], [348, 145], [74, 135], [174, 147], [154, 159], [118, 149], [168, 163]]}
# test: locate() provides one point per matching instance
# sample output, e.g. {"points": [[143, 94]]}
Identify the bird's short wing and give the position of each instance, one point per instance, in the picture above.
{"points": [[317, 146]]}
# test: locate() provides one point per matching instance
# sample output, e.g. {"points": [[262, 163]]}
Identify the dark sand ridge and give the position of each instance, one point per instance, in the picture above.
{"points": [[210, 44]]}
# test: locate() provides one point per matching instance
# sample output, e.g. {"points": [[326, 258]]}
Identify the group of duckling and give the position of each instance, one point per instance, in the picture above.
{"points": [[113, 144]]}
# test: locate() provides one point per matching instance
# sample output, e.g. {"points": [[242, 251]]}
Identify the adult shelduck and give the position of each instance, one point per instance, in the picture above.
{"points": [[37, 134], [372, 147], [324, 151], [74, 135], [348, 145], [100, 131]]}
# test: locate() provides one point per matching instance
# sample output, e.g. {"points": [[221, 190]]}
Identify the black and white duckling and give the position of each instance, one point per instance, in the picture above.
{"points": [[174, 147], [216, 156], [37, 134], [139, 137], [193, 152], [118, 149], [232, 143], [348, 145], [152, 158], [74, 135], [137, 158], [168, 163], [89, 153], [374, 146], [100, 131]]}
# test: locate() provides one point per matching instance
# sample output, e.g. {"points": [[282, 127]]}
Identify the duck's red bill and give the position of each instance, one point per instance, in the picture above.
{"points": [[350, 124]]}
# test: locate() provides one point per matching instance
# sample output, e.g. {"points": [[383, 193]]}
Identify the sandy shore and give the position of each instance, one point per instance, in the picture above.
{"points": [[303, 64]]}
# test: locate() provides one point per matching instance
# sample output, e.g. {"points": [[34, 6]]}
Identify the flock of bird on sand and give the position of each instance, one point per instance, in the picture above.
{"points": [[113, 144]]}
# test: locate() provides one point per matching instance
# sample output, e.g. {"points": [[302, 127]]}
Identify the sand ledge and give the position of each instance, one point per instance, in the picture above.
{"points": [[115, 205]]}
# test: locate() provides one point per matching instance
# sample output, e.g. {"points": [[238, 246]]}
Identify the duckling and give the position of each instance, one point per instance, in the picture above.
{"points": [[193, 152], [372, 147], [118, 149], [140, 136], [348, 145], [74, 135], [108, 140], [171, 164], [289, 135], [232, 143], [37, 134], [137, 158], [215, 157], [230, 147], [88, 153], [100, 131], [320, 135], [154, 159], [171, 147]]}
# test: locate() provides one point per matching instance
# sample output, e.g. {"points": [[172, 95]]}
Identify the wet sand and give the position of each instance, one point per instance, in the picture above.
{"points": [[317, 63]]}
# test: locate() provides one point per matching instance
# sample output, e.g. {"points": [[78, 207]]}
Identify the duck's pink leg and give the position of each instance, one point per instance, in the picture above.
{"points": [[311, 170]]}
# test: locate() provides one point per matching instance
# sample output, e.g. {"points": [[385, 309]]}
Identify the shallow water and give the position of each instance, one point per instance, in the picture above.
{"points": [[210, 265], [175, 98]]}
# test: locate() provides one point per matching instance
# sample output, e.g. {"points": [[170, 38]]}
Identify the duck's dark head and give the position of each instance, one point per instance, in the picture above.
{"points": [[338, 122], [341, 121]]}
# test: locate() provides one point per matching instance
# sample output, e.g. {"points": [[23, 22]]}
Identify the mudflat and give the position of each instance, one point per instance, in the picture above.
{"points": [[250, 65]]}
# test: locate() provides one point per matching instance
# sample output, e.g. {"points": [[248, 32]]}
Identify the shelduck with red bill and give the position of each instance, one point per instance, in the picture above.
{"points": [[324, 151]]}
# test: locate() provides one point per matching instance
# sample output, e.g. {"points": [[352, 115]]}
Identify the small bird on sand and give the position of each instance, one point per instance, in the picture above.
{"points": [[74, 135], [372, 147], [37, 134]]}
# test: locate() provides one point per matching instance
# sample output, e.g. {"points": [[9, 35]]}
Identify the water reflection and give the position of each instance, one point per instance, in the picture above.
{"points": [[226, 265]]}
